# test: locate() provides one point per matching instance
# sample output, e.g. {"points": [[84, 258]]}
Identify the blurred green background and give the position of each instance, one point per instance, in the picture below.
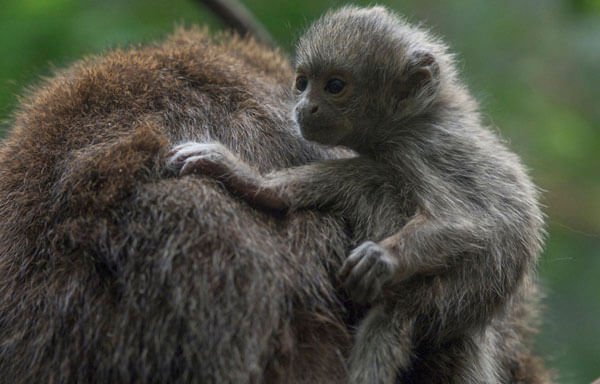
{"points": [[534, 66]]}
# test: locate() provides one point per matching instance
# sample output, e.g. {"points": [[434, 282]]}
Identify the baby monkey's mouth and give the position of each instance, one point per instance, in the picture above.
{"points": [[322, 133]]}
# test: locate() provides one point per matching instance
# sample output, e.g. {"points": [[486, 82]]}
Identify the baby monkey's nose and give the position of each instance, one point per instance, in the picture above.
{"points": [[314, 109]]}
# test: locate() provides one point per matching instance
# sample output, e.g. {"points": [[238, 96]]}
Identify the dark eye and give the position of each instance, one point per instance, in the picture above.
{"points": [[335, 86], [301, 83]]}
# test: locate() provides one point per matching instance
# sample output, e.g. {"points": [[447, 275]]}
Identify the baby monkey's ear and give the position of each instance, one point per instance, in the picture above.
{"points": [[419, 84]]}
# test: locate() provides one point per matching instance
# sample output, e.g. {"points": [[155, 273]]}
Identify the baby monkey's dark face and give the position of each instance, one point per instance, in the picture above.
{"points": [[322, 105]]}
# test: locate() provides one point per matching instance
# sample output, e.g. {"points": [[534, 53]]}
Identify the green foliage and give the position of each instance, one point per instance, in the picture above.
{"points": [[533, 65]]}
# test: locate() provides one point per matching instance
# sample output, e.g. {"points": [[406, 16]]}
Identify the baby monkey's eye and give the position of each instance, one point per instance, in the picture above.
{"points": [[335, 86], [301, 83]]}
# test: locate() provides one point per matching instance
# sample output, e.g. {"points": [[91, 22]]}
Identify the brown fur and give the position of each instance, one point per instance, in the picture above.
{"points": [[113, 270]]}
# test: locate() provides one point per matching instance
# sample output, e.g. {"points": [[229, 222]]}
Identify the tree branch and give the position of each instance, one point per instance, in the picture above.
{"points": [[236, 17]]}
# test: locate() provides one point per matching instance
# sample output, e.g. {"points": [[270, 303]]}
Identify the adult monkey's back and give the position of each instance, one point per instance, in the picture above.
{"points": [[114, 270]]}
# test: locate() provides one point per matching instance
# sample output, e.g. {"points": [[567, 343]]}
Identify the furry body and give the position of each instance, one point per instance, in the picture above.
{"points": [[113, 270], [448, 219]]}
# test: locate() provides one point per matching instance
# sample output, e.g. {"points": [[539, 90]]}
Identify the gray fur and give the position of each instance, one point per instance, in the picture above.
{"points": [[446, 219]]}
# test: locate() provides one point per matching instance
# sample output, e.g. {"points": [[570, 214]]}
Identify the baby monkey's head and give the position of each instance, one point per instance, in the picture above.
{"points": [[360, 72]]}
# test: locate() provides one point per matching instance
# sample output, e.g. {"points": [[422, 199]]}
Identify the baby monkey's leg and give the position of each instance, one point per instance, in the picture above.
{"points": [[382, 348]]}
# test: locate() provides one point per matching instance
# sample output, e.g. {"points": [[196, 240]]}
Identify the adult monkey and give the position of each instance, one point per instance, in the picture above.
{"points": [[114, 270]]}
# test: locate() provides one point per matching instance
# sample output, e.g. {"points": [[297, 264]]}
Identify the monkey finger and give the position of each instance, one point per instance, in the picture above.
{"points": [[365, 266], [176, 149], [355, 257], [365, 247], [177, 156], [368, 285], [194, 164], [374, 288], [182, 151], [345, 270], [174, 161], [358, 272], [347, 267]]}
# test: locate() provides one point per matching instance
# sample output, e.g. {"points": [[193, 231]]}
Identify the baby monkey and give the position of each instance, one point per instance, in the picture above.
{"points": [[435, 199]]}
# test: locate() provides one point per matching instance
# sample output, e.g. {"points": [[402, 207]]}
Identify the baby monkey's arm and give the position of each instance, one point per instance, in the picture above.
{"points": [[425, 245], [215, 160], [312, 185]]}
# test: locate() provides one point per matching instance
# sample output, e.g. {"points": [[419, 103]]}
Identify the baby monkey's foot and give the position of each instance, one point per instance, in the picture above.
{"points": [[366, 270], [206, 158]]}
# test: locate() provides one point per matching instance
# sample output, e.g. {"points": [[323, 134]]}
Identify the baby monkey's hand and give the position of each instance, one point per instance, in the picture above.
{"points": [[215, 160], [366, 270], [206, 158]]}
